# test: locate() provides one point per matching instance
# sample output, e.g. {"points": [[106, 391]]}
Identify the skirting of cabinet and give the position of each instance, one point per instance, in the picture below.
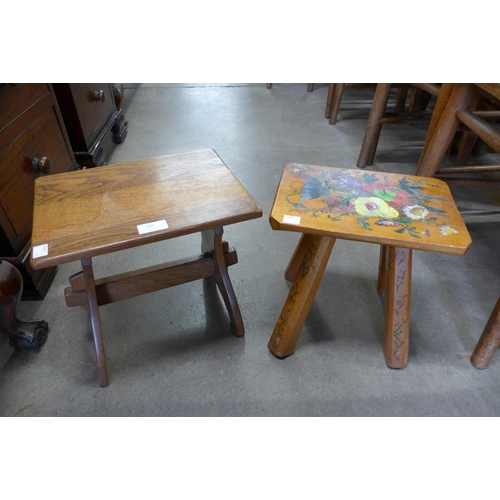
{"points": [[114, 133]]}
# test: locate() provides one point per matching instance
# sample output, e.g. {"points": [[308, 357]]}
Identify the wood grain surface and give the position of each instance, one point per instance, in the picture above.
{"points": [[96, 211]]}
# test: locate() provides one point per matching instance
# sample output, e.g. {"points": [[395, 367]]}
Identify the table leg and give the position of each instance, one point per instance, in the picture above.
{"points": [[301, 296], [212, 242], [489, 341], [397, 307], [95, 319]]}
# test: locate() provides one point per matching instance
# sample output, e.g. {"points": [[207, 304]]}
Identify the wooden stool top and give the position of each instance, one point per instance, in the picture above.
{"points": [[92, 212], [376, 207]]}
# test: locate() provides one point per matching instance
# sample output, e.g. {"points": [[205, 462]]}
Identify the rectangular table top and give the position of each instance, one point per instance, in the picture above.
{"points": [[376, 207], [100, 210]]}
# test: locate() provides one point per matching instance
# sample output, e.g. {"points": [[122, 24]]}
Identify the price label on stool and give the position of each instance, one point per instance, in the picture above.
{"points": [[150, 227], [291, 219], [40, 251]]}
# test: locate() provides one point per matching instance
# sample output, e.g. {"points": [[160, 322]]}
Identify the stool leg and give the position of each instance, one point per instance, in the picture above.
{"points": [[489, 340], [397, 307], [212, 242], [382, 272], [374, 125], [301, 296], [298, 256], [95, 319]]}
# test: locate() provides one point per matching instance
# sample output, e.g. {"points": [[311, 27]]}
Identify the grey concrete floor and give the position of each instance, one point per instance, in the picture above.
{"points": [[172, 353]]}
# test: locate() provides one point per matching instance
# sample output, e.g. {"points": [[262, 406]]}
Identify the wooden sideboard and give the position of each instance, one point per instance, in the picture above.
{"points": [[93, 122], [33, 142]]}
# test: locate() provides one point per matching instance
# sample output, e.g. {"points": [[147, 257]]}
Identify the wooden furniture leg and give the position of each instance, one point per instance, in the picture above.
{"points": [[374, 125], [301, 296], [29, 335], [338, 92], [435, 148], [489, 340], [441, 102], [298, 256], [212, 242], [382, 272], [95, 320], [397, 307], [329, 99]]}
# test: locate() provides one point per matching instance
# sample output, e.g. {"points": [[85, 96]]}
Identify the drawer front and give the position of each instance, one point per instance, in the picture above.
{"points": [[92, 112], [15, 100], [42, 139]]}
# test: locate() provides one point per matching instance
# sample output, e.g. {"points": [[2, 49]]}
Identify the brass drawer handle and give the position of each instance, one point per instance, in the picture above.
{"points": [[99, 96], [41, 166]]}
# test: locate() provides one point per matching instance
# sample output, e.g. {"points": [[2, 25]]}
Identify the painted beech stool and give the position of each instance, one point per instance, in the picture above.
{"points": [[398, 212]]}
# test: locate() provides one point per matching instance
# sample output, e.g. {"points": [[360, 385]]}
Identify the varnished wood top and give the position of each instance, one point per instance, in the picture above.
{"points": [[97, 211], [377, 207]]}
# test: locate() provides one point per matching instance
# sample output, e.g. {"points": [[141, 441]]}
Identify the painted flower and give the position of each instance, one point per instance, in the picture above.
{"points": [[374, 207], [385, 222], [446, 230], [415, 212], [426, 232]]}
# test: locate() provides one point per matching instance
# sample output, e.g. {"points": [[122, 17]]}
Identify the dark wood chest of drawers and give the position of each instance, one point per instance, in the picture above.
{"points": [[93, 122], [33, 142]]}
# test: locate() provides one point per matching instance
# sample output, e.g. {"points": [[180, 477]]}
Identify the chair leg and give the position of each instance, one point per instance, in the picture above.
{"points": [[437, 143], [336, 100], [401, 99], [489, 340], [329, 99], [374, 125], [310, 87], [269, 85]]}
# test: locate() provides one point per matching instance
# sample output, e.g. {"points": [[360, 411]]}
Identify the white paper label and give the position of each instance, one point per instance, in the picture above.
{"points": [[152, 226], [291, 219], [40, 251]]}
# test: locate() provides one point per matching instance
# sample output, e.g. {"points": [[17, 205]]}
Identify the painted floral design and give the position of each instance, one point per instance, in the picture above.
{"points": [[374, 207], [373, 197], [415, 212], [446, 230]]}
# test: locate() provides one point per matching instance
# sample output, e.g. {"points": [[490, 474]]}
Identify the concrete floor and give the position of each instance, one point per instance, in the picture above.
{"points": [[172, 353]]}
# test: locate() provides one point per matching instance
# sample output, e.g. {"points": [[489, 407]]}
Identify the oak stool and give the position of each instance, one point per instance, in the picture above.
{"points": [[82, 214], [398, 212]]}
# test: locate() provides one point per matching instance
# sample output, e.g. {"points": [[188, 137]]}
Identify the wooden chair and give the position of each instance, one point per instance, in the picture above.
{"points": [[416, 113], [456, 107]]}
